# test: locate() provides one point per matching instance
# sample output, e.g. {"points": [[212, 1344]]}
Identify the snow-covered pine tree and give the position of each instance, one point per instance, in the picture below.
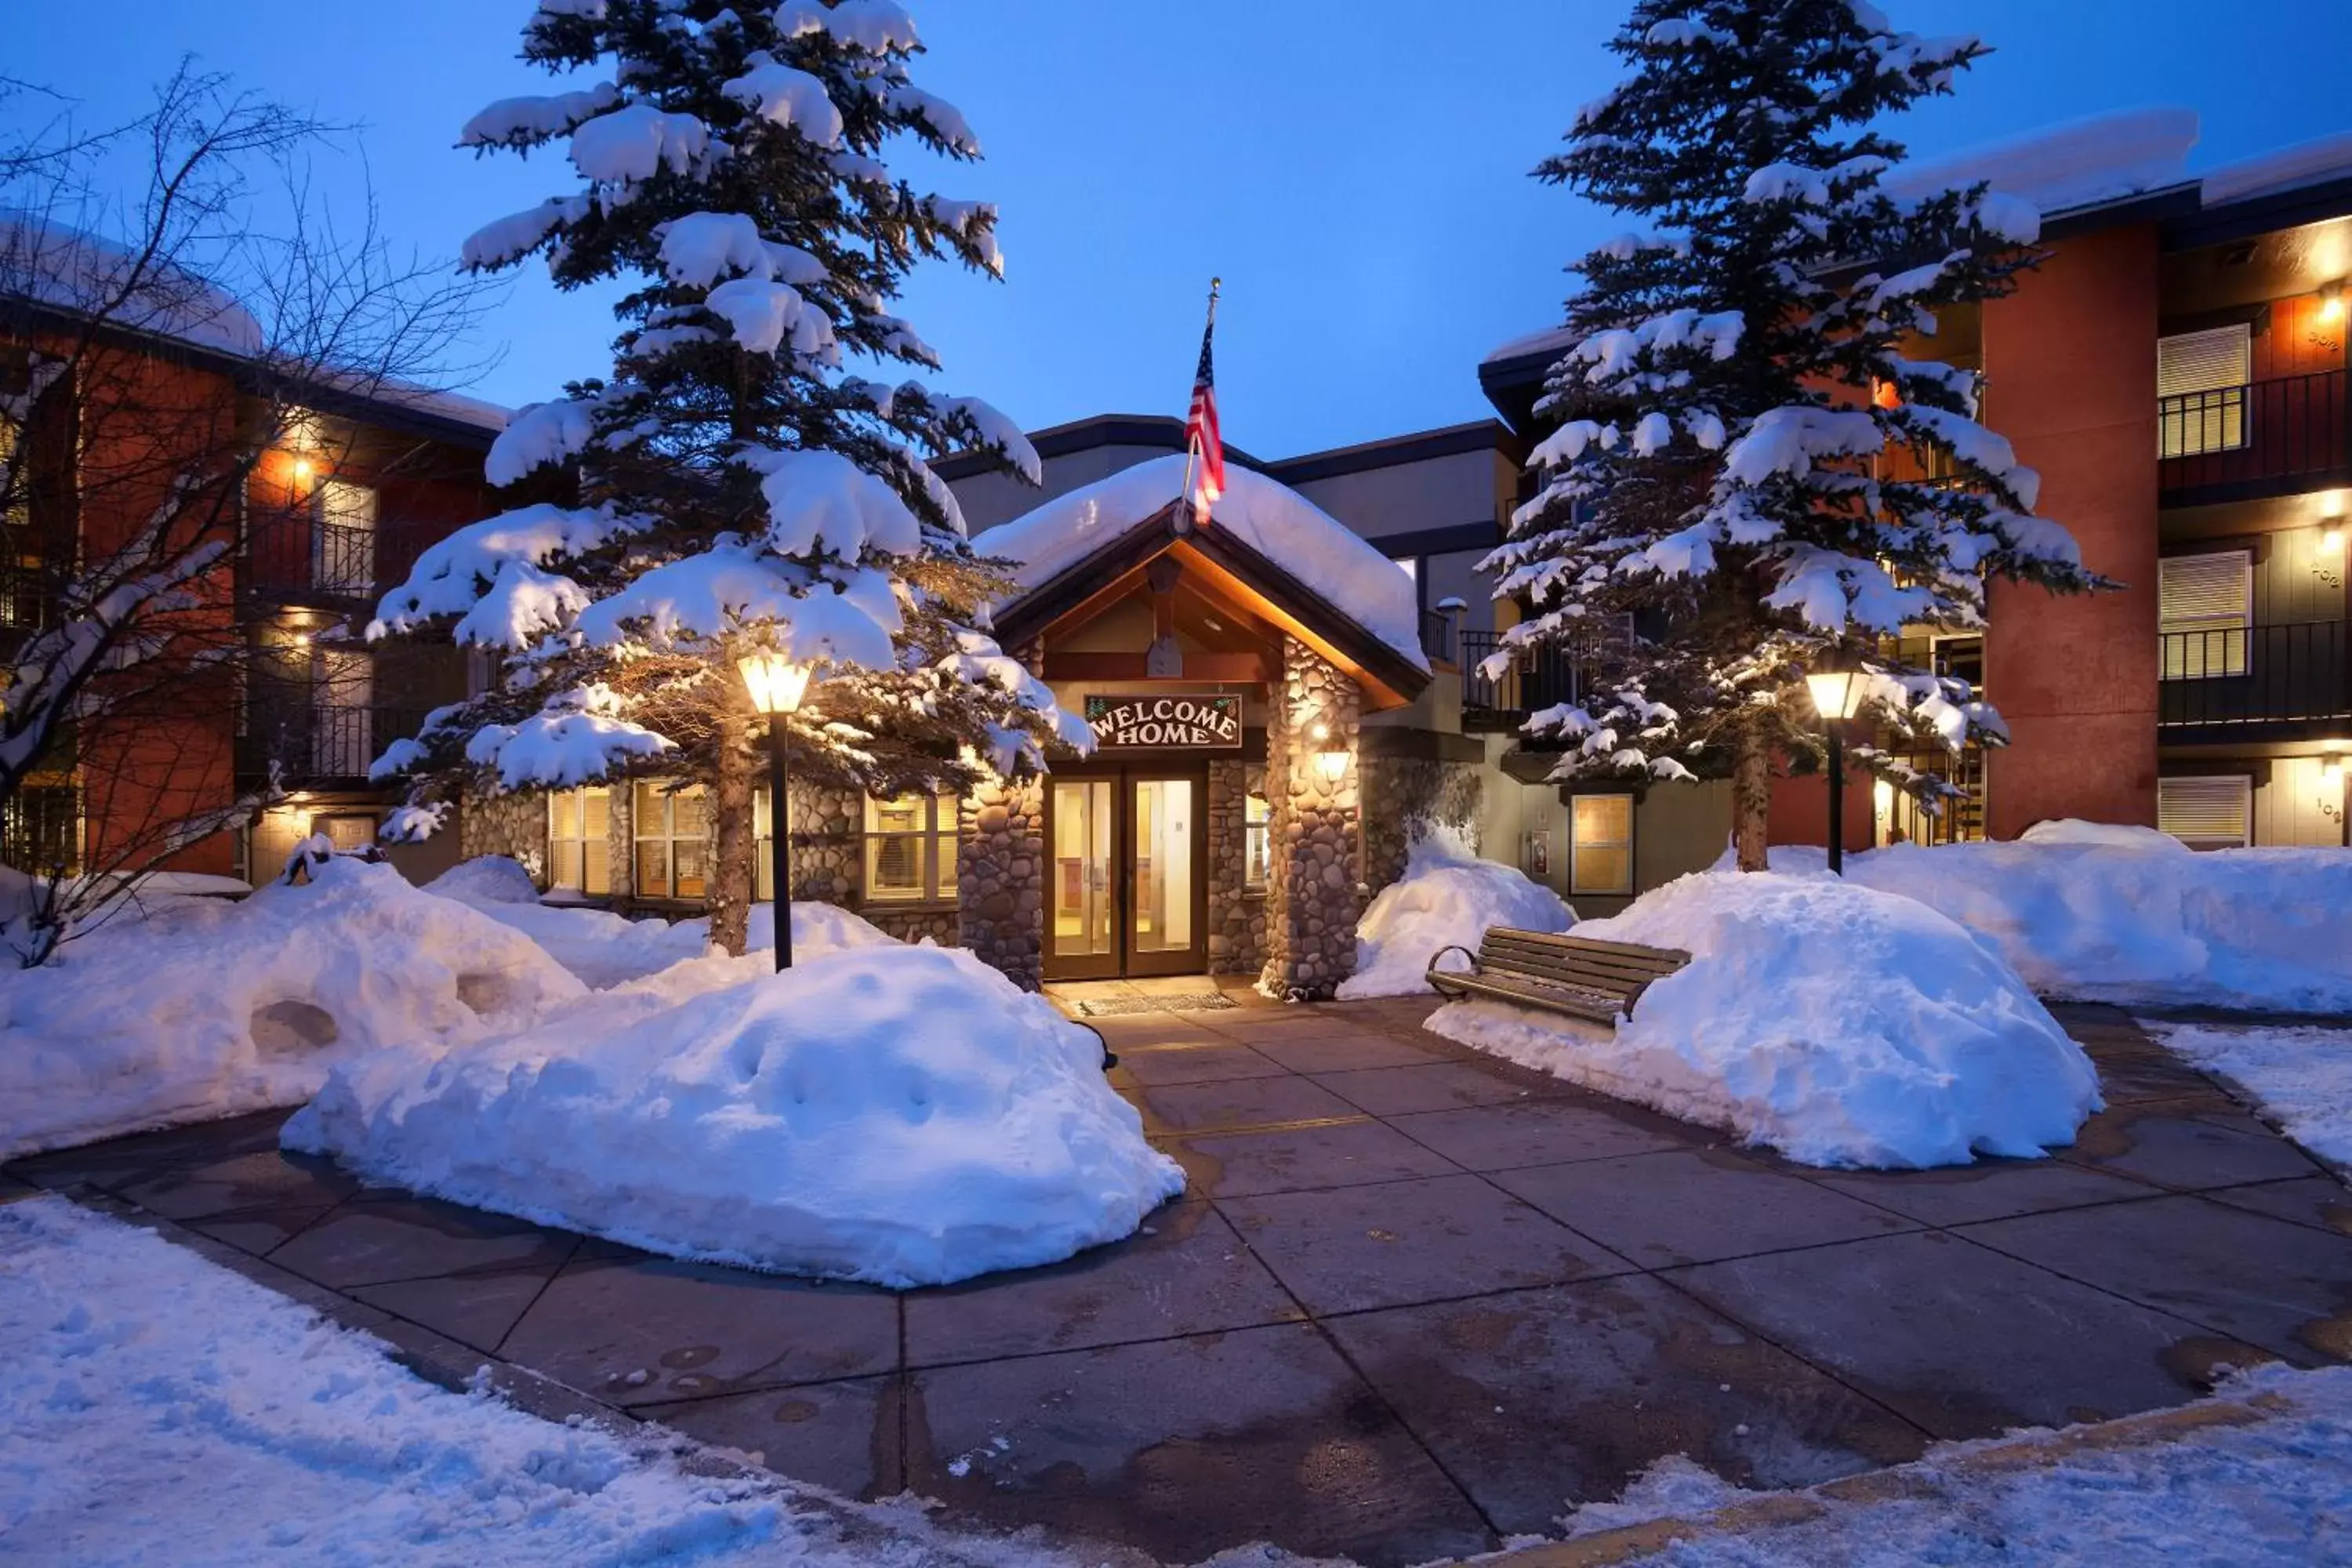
{"points": [[732, 484], [1745, 467]]}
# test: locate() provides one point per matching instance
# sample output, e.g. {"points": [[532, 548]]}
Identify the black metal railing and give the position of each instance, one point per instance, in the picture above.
{"points": [[316, 742], [295, 551], [1535, 678], [2277, 429], [1437, 634], [2296, 673]]}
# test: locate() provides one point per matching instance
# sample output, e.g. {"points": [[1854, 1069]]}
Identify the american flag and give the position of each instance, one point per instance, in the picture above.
{"points": [[1201, 438]]}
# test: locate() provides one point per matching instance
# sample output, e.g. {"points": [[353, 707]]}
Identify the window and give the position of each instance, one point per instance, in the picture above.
{"points": [[40, 831], [668, 824], [347, 835], [346, 560], [580, 855], [1601, 858], [1256, 857], [21, 598], [910, 849], [2212, 812], [2204, 605], [2201, 388]]}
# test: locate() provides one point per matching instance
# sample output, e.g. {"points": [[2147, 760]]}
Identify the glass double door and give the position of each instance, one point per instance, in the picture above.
{"points": [[1130, 858]]}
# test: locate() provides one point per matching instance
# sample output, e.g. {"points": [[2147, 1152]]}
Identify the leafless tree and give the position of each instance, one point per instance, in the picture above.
{"points": [[160, 332]]}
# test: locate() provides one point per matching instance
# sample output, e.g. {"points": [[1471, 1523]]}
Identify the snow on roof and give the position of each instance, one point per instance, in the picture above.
{"points": [[2286, 169], [1265, 515], [2079, 164], [71, 269], [1549, 339]]}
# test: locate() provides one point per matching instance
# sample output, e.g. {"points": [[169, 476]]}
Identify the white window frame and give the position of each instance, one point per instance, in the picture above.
{"points": [[1577, 881], [2210, 370], [573, 877], [666, 794], [2205, 612], [347, 517], [2200, 805], [1257, 840], [938, 837]]}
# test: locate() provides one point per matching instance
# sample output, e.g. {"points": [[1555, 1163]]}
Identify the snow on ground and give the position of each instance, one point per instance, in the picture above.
{"points": [[902, 1115], [2258, 1492], [603, 949], [1836, 1024], [1447, 898], [2302, 1077], [2102, 913], [207, 1009], [1269, 517], [163, 1409]]}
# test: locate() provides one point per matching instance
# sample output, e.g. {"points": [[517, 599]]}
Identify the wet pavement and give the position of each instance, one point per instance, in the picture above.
{"points": [[1415, 1300]]}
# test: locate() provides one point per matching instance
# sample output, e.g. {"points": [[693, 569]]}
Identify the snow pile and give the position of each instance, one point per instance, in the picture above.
{"points": [[903, 1115], [2261, 1482], [166, 1410], [208, 1008], [2290, 168], [604, 950], [1268, 517], [2102, 913], [1838, 1025], [2100, 158], [2302, 1077], [1447, 898]]}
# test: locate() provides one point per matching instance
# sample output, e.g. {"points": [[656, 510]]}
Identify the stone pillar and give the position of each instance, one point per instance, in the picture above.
{"points": [[826, 848], [1404, 798], [1000, 878], [1313, 892], [1236, 914], [507, 824]]}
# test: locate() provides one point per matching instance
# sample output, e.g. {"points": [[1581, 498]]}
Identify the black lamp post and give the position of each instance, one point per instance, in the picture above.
{"points": [[777, 684], [1836, 690]]}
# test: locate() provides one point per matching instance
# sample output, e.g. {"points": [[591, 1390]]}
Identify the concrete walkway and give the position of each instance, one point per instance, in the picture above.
{"points": [[1414, 1301]]}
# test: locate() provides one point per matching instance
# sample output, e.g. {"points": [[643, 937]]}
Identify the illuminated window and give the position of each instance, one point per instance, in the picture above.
{"points": [[2204, 605], [672, 842], [346, 547], [910, 848], [41, 826], [1256, 856], [1600, 849], [2201, 388], [2215, 810], [580, 856]]}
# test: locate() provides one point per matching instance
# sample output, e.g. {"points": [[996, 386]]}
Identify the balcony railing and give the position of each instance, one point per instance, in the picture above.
{"points": [[1538, 678], [2241, 676], [295, 551], [317, 742], [1437, 634], [2288, 428]]}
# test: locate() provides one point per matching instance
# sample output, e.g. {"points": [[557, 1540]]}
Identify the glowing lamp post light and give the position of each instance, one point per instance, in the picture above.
{"points": [[1836, 690], [777, 684]]}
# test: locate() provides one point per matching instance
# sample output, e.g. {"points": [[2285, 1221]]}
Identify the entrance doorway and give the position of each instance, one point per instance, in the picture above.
{"points": [[1129, 892]]}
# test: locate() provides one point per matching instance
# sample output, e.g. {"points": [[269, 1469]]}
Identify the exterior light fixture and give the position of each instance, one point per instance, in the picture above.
{"points": [[2331, 300], [777, 684], [1330, 760], [302, 639], [1837, 689], [304, 470]]}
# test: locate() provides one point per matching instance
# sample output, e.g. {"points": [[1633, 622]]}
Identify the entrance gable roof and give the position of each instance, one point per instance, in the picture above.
{"points": [[1269, 548]]}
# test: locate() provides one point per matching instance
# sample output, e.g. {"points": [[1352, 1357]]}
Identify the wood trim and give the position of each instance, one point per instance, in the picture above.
{"points": [[1242, 668]]}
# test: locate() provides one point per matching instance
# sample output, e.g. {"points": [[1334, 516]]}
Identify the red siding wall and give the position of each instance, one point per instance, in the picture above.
{"points": [[2070, 366]]}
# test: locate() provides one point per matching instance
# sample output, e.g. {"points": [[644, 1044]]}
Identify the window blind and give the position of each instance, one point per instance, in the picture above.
{"points": [[2210, 811], [2200, 381], [2204, 605]]}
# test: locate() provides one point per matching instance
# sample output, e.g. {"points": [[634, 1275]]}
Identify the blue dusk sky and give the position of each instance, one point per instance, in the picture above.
{"points": [[1357, 172]]}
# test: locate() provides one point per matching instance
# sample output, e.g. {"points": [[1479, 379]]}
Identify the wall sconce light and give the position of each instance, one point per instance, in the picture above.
{"points": [[2331, 524], [304, 470], [302, 639], [2331, 302], [1330, 760]]}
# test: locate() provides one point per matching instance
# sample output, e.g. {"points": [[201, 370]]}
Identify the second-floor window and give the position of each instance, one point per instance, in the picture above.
{"points": [[2201, 388], [345, 563], [2204, 605]]}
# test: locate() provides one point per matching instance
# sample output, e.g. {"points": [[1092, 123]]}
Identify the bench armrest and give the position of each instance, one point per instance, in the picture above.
{"points": [[1465, 952]]}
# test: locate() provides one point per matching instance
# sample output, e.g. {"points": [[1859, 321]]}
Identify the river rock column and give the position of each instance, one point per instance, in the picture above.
{"points": [[1000, 878], [1314, 891]]}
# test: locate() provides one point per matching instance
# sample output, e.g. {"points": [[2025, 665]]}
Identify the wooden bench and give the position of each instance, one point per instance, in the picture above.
{"points": [[1582, 977]]}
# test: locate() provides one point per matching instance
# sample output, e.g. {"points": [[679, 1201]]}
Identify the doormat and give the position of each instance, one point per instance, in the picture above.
{"points": [[1190, 1002]]}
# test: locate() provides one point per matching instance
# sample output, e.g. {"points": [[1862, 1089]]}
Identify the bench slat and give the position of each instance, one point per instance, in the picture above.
{"points": [[1582, 977], [1598, 956], [1583, 964], [1599, 1010], [1593, 943]]}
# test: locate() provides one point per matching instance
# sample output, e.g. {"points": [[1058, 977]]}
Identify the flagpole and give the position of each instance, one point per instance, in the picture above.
{"points": [[1192, 443]]}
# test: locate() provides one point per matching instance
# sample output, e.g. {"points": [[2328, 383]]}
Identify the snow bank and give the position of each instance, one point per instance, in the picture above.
{"points": [[2302, 1077], [165, 1410], [2102, 913], [1836, 1024], [1270, 518], [209, 1008], [1447, 898], [903, 1115]]}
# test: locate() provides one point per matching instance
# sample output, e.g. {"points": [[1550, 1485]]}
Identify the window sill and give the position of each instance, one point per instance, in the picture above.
{"points": [[872, 907]]}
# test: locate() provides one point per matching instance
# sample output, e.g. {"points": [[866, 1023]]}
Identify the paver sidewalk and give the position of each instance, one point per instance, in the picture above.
{"points": [[1415, 1300]]}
